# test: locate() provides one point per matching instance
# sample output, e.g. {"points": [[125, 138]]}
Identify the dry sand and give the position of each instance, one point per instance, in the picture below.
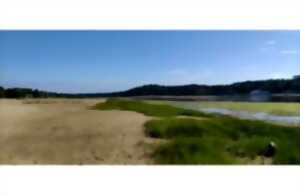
{"points": [[64, 131]]}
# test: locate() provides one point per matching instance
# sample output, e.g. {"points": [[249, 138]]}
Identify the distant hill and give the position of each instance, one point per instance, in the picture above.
{"points": [[270, 86]]}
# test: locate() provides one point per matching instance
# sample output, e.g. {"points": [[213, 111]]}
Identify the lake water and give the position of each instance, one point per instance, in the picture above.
{"points": [[291, 120]]}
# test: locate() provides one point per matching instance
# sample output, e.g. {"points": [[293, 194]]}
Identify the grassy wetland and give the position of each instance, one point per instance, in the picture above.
{"points": [[212, 139], [127, 131]]}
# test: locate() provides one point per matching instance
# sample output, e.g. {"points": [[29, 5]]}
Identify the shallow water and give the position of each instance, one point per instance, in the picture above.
{"points": [[294, 120]]}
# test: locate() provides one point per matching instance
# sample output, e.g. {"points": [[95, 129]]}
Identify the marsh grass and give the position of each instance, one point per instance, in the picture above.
{"points": [[148, 109], [222, 140], [194, 150], [217, 139]]}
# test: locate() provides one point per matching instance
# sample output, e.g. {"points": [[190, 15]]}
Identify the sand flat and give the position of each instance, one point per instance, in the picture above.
{"points": [[64, 131]]}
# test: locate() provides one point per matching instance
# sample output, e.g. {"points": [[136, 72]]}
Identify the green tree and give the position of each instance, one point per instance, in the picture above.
{"points": [[1, 92], [36, 93]]}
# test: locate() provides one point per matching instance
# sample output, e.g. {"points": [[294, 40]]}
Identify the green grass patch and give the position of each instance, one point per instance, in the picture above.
{"points": [[148, 109], [222, 140], [250, 147], [195, 150], [216, 139]]}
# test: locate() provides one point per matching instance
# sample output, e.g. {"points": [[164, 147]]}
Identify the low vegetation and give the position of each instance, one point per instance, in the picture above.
{"points": [[194, 150], [148, 109], [215, 139], [222, 140]]}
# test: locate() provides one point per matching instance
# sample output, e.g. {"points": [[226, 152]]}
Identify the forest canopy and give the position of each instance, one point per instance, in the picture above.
{"points": [[271, 86]]}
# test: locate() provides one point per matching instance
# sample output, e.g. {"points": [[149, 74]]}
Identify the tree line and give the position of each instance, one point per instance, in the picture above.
{"points": [[272, 86], [29, 93]]}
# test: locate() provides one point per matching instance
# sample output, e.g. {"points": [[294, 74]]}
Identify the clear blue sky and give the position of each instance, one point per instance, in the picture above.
{"points": [[104, 61]]}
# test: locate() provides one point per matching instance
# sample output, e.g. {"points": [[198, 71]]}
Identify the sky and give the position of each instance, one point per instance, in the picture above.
{"points": [[107, 61]]}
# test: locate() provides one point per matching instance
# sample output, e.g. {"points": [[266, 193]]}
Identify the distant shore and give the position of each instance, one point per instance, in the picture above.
{"points": [[232, 98]]}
